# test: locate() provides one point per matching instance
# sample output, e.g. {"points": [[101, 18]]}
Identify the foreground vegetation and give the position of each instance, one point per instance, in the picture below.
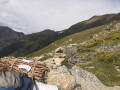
{"points": [[103, 64], [105, 72]]}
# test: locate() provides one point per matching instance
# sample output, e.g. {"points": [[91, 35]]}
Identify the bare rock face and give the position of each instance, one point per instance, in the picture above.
{"points": [[62, 81], [75, 78], [87, 80]]}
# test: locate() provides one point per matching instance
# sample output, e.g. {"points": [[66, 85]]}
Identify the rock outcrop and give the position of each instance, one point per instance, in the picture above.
{"points": [[87, 80], [75, 78], [72, 78]]}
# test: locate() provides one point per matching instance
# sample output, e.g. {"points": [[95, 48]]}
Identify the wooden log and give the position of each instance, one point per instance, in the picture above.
{"points": [[37, 71]]}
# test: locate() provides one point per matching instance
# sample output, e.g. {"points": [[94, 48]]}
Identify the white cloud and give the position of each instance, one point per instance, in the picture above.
{"points": [[31, 16]]}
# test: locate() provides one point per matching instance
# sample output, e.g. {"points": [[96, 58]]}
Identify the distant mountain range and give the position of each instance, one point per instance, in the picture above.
{"points": [[18, 44], [29, 43], [7, 36]]}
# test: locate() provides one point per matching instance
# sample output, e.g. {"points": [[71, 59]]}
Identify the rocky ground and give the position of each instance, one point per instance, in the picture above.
{"points": [[71, 78], [64, 72]]}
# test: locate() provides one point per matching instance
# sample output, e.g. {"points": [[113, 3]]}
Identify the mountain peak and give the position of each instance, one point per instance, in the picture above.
{"points": [[7, 34]]}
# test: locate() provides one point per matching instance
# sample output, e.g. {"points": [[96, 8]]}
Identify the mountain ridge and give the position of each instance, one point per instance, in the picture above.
{"points": [[8, 35], [33, 42]]}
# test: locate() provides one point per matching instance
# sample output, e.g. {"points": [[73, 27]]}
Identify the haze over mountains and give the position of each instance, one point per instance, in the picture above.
{"points": [[18, 44]]}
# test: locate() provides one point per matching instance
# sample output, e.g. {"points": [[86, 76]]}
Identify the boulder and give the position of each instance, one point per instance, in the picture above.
{"points": [[75, 78], [62, 81], [87, 80]]}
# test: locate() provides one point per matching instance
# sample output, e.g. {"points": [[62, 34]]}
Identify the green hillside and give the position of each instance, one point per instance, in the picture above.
{"points": [[37, 41], [75, 38], [101, 53]]}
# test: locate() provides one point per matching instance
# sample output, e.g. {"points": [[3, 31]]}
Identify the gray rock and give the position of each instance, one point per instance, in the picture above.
{"points": [[87, 80], [77, 88], [63, 69]]}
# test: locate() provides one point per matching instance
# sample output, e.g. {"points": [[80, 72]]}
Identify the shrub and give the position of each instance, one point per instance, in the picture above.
{"points": [[84, 49], [113, 36], [113, 57], [81, 65], [94, 42], [102, 52]]}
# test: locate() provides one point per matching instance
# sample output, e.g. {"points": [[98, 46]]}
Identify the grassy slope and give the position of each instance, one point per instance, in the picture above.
{"points": [[105, 71], [76, 38]]}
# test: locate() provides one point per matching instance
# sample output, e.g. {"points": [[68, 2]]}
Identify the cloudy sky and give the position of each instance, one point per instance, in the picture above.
{"points": [[31, 16]]}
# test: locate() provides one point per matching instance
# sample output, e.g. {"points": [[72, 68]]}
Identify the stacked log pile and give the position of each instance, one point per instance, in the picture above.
{"points": [[37, 70]]}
